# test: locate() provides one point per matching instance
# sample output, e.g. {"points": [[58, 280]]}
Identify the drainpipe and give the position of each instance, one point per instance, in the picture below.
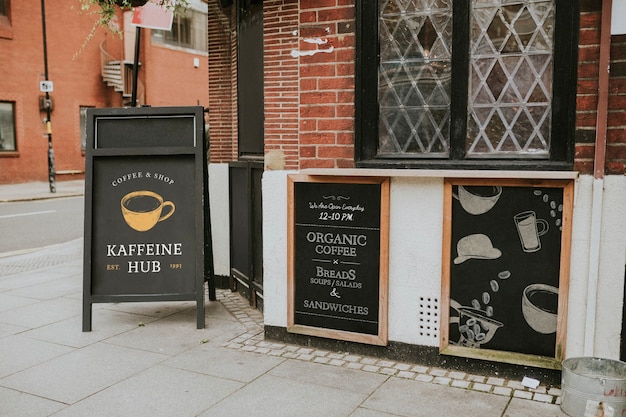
{"points": [[598, 178]]}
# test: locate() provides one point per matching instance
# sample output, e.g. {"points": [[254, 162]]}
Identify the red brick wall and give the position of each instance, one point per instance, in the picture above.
{"points": [[587, 94], [327, 84], [76, 83], [616, 133], [309, 99], [169, 77], [222, 84], [281, 78]]}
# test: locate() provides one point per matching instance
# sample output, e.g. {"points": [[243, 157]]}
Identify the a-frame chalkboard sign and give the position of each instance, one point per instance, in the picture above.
{"points": [[144, 208]]}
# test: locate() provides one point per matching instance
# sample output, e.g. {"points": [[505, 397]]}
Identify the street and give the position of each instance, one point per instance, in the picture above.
{"points": [[39, 223]]}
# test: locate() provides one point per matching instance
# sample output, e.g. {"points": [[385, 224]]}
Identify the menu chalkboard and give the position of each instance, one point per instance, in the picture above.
{"points": [[506, 269], [338, 243], [144, 218]]}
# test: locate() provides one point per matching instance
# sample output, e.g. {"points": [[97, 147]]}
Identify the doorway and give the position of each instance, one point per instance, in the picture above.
{"points": [[246, 236]]}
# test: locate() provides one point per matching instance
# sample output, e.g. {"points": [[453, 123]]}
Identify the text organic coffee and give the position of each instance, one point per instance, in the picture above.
{"points": [[337, 256]]}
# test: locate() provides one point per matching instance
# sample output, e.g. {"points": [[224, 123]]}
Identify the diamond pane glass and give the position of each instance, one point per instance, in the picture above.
{"points": [[510, 103], [414, 77]]}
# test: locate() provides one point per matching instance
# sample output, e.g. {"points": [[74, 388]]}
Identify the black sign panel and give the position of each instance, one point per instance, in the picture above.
{"points": [[144, 225], [507, 285], [144, 222], [338, 235]]}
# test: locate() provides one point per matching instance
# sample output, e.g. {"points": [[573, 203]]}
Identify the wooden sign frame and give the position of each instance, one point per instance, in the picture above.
{"points": [[140, 157], [352, 192], [492, 281]]}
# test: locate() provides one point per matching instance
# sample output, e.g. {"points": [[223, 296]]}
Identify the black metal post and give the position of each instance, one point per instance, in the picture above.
{"points": [[133, 100], [48, 103]]}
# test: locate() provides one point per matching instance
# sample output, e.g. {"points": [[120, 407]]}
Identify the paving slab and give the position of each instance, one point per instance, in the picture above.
{"points": [[329, 376], [408, 398], [26, 353], [41, 313], [225, 363], [159, 391], [19, 404], [272, 396], [82, 373], [106, 323], [524, 408], [170, 335], [50, 289]]}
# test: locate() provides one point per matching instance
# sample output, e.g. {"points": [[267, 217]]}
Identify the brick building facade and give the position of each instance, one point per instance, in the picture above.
{"points": [[168, 76], [314, 53], [309, 103]]}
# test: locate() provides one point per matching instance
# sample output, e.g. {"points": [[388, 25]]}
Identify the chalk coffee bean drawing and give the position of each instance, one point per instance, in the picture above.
{"points": [[476, 327], [142, 210]]}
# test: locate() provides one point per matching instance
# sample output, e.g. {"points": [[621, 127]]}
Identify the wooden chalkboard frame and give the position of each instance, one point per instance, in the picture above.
{"points": [[506, 356], [380, 337], [138, 143]]}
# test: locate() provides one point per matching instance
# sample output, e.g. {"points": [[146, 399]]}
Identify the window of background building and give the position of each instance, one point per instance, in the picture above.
{"points": [[455, 83], [189, 31], [6, 31], [7, 126], [83, 127], [4, 13]]}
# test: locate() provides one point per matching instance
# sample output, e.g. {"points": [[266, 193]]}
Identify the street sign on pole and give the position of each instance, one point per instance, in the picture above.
{"points": [[46, 86]]}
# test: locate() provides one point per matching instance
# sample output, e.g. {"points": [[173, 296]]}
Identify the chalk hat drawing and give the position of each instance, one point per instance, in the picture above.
{"points": [[477, 246]]}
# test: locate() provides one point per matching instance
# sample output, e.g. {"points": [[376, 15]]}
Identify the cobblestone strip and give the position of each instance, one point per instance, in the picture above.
{"points": [[253, 341]]}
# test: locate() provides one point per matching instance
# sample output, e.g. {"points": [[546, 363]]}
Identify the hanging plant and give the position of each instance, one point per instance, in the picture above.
{"points": [[105, 10], [133, 3]]}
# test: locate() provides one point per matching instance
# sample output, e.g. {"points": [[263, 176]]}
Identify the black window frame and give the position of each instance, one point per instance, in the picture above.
{"points": [[14, 148], [563, 102]]}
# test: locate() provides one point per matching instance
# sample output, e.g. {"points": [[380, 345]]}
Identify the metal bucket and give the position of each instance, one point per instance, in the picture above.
{"points": [[593, 387]]}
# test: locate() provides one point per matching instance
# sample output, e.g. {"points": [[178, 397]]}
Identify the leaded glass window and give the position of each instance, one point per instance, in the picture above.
{"points": [[443, 82], [510, 83], [414, 84]]}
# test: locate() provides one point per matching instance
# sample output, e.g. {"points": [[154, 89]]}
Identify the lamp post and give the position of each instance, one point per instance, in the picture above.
{"points": [[48, 105]]}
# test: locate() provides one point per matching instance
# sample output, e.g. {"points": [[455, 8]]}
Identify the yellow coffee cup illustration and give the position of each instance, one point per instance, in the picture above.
{"points": [[142, 210]]}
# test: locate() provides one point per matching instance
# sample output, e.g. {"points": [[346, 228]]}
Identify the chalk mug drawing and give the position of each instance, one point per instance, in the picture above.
{"points": [[539, 306], [478, 199], [530, 228], [142, 210]]}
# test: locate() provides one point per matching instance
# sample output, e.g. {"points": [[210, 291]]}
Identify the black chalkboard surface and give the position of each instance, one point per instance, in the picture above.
{"points": [[144, 207], [506, 268], [338, 257]]}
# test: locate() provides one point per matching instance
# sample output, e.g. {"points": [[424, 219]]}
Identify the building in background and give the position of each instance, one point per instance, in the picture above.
{"points": [[96, 73]]}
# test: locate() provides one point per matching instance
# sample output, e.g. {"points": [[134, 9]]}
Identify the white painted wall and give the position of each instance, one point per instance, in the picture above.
{"points": [[220, 218], [416, 210]]}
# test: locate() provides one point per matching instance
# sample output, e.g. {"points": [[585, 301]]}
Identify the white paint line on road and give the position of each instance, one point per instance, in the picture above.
{"points": [[33, 213]]}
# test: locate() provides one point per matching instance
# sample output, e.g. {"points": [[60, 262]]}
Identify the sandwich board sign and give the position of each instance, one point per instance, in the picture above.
{"points": [[144, 210]]}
